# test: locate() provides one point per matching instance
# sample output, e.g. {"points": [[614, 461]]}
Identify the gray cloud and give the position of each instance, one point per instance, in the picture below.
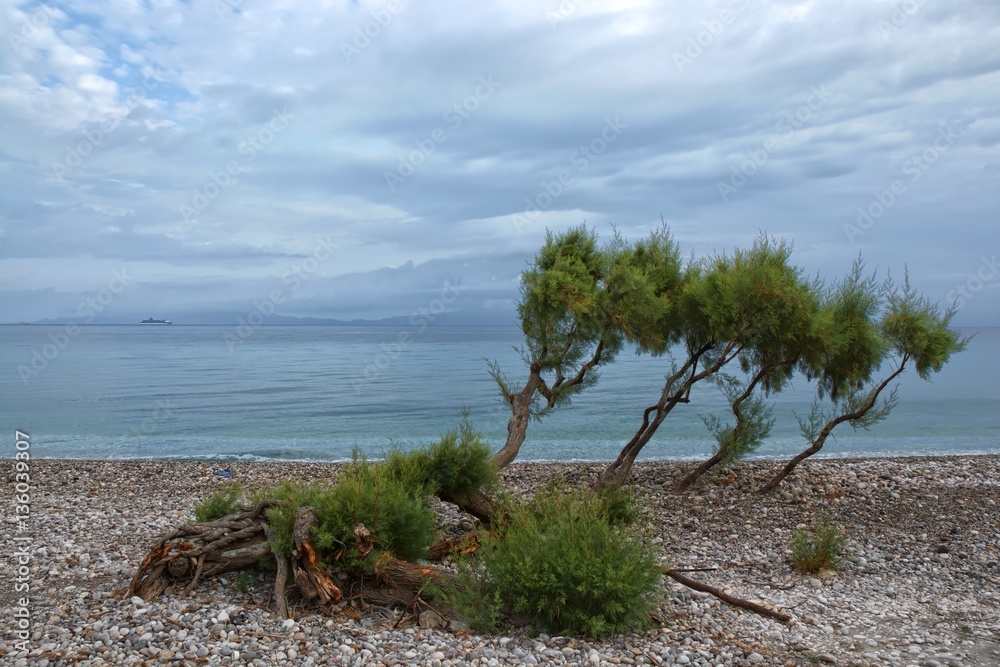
{"points": [[119, 117]]}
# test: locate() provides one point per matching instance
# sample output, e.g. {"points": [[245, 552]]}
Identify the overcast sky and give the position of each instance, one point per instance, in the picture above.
{"points": [[355, 159]]}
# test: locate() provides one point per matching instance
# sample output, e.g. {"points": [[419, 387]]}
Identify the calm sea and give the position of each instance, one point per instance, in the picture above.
{"points": [[314, 393]]}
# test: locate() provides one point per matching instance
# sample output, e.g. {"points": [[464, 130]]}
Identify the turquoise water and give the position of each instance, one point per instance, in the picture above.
{"points": [[314, 393]]}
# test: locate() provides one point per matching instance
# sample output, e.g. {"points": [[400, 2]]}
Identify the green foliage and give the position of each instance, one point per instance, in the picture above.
{"points": [[752, 305], [222, 502], [819, 549], [476, 597], [566, 561], [564, 314], [392, 507], [873, 328], [453, 466], [756, 298], [753, 423], [618, 505], [643, 282], [848, 347], [562, 306], [918, 330]]}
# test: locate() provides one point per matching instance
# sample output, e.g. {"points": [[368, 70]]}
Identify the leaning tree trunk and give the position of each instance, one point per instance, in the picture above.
{"points": [[725, 447], [617, 472], [240, 540], [696, 474], [475, 503], [790, 466], [517, 425], [520, 402], [820, 440]]}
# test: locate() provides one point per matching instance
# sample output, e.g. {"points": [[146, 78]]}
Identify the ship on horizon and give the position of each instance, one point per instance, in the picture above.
{"points": [[155, 321]]}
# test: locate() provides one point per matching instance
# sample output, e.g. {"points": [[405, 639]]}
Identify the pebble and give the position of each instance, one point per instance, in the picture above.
{"points": [[919, 585]]}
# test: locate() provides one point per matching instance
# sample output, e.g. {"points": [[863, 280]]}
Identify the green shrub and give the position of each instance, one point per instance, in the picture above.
{"points": [[618, 505], [562, 562], [461, 462], [393, 509], [819, 549], [458, 463], [225, 500]]}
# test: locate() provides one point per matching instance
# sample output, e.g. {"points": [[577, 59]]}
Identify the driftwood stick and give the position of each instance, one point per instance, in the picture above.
{"points": [[416, 598], [197, 574], [694, 569], [729, 599]]}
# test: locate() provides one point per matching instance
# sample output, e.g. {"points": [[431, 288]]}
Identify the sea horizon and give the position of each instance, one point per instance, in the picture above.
{"points": [[315, 392]]}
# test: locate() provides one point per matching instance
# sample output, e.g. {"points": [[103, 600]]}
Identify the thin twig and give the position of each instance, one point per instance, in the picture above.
{"points": [[412, 603]]}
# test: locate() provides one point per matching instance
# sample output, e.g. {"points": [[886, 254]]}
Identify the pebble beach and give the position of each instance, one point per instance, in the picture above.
{"points": [[920, 584]]}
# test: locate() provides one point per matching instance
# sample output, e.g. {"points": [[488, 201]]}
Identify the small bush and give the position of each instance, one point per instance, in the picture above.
{"points": [[562, 562], [222, 502], [393, 509], [461, 462], [618, 504], [458, 463], [818, 550]]}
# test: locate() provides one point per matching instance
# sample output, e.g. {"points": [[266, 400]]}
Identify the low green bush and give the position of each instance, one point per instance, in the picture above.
{"points": [[393, 508], [225, 500], [819, 549], [453, 466], [566, 561], [461, 462]]}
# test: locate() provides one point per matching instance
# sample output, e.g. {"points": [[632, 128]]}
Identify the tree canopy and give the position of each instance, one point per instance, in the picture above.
{"points": [[747, 320]]}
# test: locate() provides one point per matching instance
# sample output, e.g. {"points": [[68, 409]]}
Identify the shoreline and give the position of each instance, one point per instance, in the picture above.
{"points": [[249, 458], [921, 584]]}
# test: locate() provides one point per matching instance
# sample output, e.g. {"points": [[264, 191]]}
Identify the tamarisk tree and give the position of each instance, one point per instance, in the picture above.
{"points": [[581, 303], [568, 329], [751, 306], [873, 328], [760, 300]]}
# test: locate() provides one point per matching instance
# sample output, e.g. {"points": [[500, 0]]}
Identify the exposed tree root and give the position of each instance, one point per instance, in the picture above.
{"points": [[239, 541], [312, 581], [234, 542], [460, 546]]}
